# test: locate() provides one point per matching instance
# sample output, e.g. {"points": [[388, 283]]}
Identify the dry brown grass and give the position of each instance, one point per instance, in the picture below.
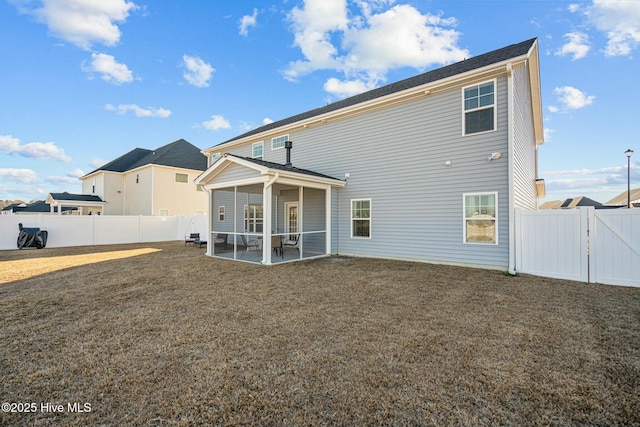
{"points": [[176, 338]]}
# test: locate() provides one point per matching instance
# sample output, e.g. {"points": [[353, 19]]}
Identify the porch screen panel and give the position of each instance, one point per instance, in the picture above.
{"points": [[314, 221]]}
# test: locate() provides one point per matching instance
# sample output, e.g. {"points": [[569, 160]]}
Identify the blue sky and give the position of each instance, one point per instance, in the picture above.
{"points": [[85, 81]]}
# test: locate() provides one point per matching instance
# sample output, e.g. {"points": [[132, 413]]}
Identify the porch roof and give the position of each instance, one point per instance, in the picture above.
{"points": [[266, 170]]}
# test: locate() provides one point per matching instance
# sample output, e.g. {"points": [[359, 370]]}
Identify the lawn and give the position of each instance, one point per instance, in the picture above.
{"points": [[160, 334]]}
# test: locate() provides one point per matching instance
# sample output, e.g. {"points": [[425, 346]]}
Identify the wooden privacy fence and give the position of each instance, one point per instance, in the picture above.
{"points": [[88, 230], [585, 244]]}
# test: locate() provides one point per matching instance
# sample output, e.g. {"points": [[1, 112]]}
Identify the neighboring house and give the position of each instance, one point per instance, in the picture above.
{"points": [[429, 168], [622, 199], [39, 207], [571, 203], [74, 204], [151, 182]]}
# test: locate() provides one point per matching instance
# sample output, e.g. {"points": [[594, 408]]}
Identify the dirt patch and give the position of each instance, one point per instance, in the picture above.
{"points": [[172, 337]]}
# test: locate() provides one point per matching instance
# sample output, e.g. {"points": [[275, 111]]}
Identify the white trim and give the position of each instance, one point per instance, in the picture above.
{"points": [[276, 137], [351, 219], [495, 107], [287, 219], [253, 155], [464, 217]]}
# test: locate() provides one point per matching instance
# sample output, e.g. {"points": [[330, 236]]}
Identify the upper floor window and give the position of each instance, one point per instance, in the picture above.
{"points": [[279, 142], [479, 108], [214, 158], [182, 177], [257, 150]]}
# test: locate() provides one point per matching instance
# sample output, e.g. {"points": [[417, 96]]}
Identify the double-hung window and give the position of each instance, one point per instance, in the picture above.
{"points": [[361, 218], [257, 150], [279, 142], [481, 218], [479, 108]]}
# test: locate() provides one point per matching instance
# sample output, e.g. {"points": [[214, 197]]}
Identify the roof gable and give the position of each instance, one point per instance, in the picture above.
{"points": [[179, 154], [477, 62]]}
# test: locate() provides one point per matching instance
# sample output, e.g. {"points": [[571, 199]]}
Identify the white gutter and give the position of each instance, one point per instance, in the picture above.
{"points": [[511, 156]]}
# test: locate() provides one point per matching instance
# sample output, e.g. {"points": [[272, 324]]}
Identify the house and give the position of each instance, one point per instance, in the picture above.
{"points": [[622, 199], [429, 168], [151, 182], [74, 204], [39, 207], [571, 203]]}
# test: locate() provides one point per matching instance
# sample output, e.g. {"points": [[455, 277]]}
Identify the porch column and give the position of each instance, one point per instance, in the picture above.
{"points": [[327, 219], [266, 223], [211, 221]]}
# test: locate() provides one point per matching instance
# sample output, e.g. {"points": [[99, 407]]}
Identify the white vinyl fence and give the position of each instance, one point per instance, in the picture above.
{"points": [[585, 244], [87, 230]]}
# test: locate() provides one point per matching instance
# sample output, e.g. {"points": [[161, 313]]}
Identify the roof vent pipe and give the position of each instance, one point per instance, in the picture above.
{"points": [[287, 146]]}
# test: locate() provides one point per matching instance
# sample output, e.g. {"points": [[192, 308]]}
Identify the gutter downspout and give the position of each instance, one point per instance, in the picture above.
{"points": [[510, 149]]}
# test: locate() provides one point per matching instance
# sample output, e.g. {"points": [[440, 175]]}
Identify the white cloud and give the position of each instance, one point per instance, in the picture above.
{"points": [[620, 21], [23, 176], [577, 46], [198, 72], [248, 21], [111, 70], [36, 150], [267, 121], [573, 8], [343, 89], [76, 173], [139, 111], [63, 180], [364, 47], [96, 162], [81, 22], [216, 123], [573, 98], [547, 133]]}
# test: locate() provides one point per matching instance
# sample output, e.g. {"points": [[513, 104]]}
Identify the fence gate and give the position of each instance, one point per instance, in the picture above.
{"points": [[588, 245]]}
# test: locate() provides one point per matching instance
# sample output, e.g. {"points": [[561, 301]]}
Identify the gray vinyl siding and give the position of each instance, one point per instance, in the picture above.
{"points": [[524, 165], [395, 157], [235, 172]]}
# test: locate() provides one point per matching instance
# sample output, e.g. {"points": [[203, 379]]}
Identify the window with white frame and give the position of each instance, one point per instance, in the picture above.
{"points": [[221, 213], [361, 218], [182, 177], [257, 149], [214, 158], [481, 218], [279, 141], [479, 108], [253, 218]]}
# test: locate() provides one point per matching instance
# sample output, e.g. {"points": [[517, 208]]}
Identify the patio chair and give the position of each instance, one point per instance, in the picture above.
{"points": [[220, 241], [255, 244], [293, 241], [193, 237]]}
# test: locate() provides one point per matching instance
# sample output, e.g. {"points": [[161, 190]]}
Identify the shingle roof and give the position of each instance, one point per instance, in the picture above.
{"points": [[493, 57], [75, 197], [621, 199], [37, 206], [278, 166], [179, 154]]}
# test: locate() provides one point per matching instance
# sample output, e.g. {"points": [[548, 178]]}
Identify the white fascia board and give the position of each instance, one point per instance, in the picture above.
{"points": [[305, 180], [223, 163]]}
